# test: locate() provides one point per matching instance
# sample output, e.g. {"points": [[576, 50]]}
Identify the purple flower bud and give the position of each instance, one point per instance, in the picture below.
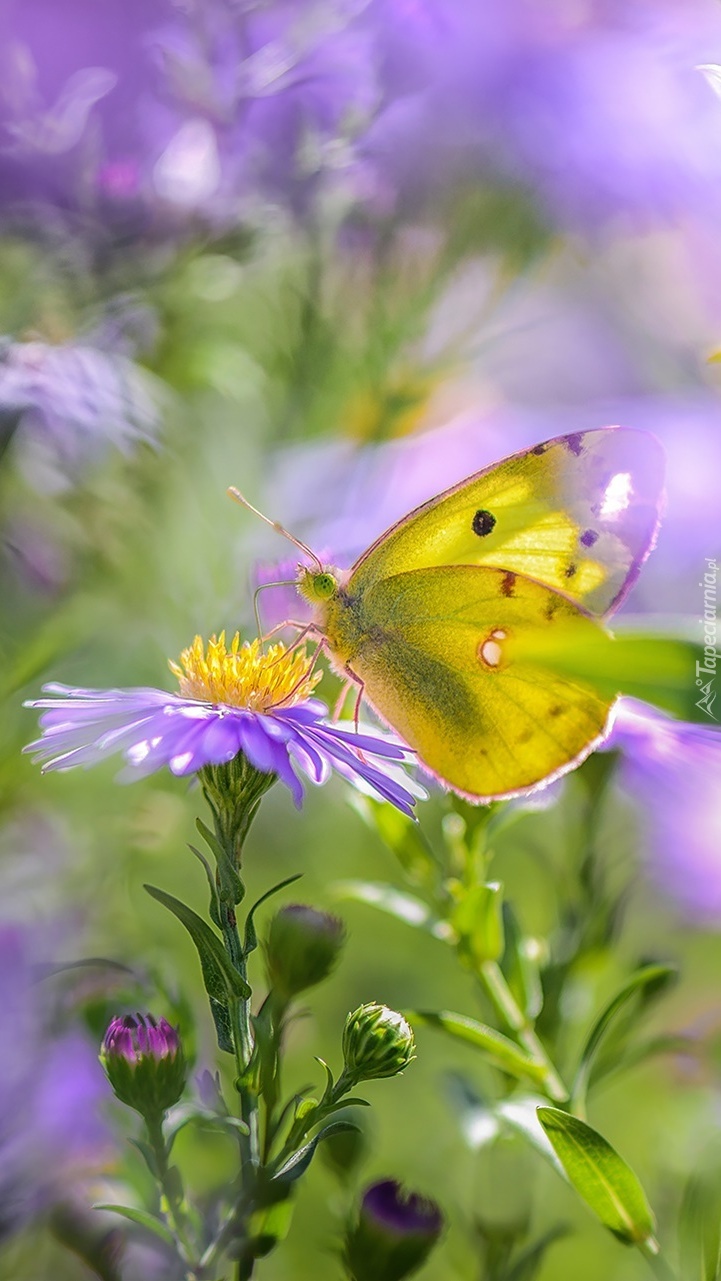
{"points": [[144, 1062], [301, 949], [394, 1234]]}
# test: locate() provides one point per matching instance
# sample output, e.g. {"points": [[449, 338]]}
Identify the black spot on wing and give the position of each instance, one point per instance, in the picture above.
{"points": [[570, 571], [541, 449], [508, 584], [574, 443], [555, 711], [483, 523]]}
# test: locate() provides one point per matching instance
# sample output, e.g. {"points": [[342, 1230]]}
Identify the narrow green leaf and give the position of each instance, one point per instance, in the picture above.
{"points": [[404, 907], [700, 1227], [520, 965], [651, 979], [142, 1218], [298, 1163], [251, 938], [214, 904], [222, 981], [223, 1026], [503, 1052], [600, 1176], [147, 1154], [230, 887]]}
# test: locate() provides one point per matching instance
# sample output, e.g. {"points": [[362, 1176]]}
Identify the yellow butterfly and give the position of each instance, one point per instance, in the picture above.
{"points": [[425, 621]]}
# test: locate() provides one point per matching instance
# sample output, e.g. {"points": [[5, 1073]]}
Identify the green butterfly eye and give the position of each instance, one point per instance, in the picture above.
{"points": [[317, 587]]}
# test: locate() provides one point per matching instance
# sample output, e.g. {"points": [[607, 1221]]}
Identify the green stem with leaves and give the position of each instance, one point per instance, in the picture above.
{"points": [[504, 1003], [171, 1193]]}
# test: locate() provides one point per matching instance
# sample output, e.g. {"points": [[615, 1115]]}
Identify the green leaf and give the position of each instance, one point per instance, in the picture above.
{"points": [[478, 921], [148, 1155], [601, 1177], [658, 669], [142, 1218], [648, 981], [700, 1227], [503, 1052], [223, 1026], [298, 1163], [214, 910], [404, 907], [251, 938], [230, 887], [222, 981]]}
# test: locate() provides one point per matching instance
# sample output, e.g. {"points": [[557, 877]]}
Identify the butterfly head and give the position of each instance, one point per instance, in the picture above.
{"points": [[317, 586]]}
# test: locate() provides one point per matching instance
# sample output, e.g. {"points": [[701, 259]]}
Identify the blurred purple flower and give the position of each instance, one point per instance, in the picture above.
{"points": [[138, 115], [73, 402], [600, 111], [73, 91], [50, 1091], [220, 719], [671, 771]]}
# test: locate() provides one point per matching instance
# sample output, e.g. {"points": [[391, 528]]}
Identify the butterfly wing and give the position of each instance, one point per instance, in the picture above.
{"points": [[578, 513], [434, 648]]}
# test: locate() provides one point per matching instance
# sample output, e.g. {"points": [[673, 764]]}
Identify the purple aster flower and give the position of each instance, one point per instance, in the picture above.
{"points": [[671, 771], [235, 700], [73, 402], [51, 1088]]}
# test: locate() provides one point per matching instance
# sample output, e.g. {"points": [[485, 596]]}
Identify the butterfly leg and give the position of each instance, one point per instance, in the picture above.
{"points": [[304, 676], [351, 680], [305, 629]]}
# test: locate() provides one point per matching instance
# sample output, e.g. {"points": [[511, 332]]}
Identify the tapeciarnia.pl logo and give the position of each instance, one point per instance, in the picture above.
{"points": [[706, 670]]}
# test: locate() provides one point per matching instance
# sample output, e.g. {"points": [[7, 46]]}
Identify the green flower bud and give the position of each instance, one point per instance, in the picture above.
{"points": [[302, 947], [376, 1042], [394, 1234], [144, 1063]]}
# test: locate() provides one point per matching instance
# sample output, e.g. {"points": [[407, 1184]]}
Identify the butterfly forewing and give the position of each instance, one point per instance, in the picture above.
{"points": [[435, 651], [578, 513]]}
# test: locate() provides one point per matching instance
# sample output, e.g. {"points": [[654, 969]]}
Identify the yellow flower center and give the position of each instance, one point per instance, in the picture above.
{"points": [[243, 675]]}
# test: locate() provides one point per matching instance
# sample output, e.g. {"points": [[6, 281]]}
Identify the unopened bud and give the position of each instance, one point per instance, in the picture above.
{"points": [[302, 947], [394, 1234], [144, 1062], [376, 1042]]}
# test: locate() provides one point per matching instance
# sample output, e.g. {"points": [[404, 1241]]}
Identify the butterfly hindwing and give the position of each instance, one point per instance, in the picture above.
{"points": [[434, 648], [578, 513]]}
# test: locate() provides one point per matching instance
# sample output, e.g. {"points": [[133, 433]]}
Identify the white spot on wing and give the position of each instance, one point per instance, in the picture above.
{"points": [[617, 496]]}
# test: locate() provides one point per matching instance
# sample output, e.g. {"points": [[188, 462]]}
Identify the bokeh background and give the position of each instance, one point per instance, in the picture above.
{"points": [[339, 253]]}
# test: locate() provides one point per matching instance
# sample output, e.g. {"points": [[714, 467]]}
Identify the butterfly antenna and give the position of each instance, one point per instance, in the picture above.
{"points": [[274, 524]]}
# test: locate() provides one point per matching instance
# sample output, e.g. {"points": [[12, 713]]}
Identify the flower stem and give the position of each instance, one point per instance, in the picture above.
{"points": [[171, 1193], [504, 1003], [658, 1265]]}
